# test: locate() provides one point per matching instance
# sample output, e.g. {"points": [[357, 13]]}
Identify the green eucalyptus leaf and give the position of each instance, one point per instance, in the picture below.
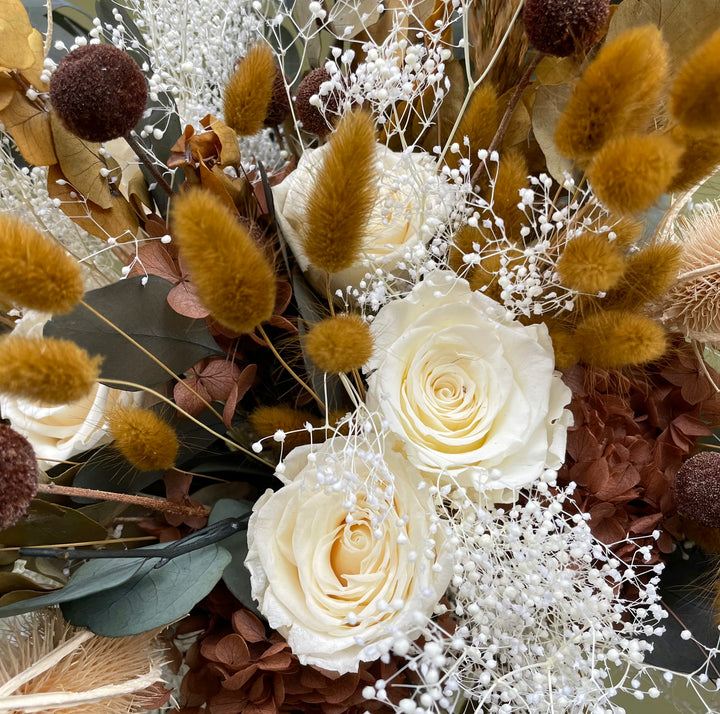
{"points": [[236, 575], [143, 313], [154, 597], [90, 578], [47, 524]]}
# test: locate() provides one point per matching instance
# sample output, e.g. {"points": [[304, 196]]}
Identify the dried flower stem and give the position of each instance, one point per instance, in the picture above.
{"points": [[290, 370], [155, 504], [148, 163], [151, 356]]}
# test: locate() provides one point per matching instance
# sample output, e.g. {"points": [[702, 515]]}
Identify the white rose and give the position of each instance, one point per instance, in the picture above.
{"points": [[472, 393], [337, 591], [409, 198], [59, 433]]}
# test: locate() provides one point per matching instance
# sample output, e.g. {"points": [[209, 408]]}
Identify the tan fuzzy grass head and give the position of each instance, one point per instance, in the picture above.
{"points": [[618, 338], [266, 421], [250, 90], [47, 371], [342, 196], [234, 279], [590, 263], [692, 304], [695, 94], [618, 93], [102, 675], [630, 173], [478, 125], [700, 157], [148, 442], [340, 344], [36, 272]]}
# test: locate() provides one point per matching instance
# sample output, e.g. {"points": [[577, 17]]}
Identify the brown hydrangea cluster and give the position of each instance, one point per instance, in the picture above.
{"points": [[631, 434], [243, 669]]}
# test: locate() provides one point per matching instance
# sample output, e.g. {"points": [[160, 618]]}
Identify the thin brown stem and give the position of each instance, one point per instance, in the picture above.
{"points": [[154, 504], [290, 370], [149, 164], [510, 109]]}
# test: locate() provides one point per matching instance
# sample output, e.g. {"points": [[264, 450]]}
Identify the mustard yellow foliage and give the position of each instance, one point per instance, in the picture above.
{"points": [[148, 442], [630, 173], [45, 370], [36, 272], [343, 195], [590, 264], [617, 94], [695, 93], [249, 91], [618, 338], [340, 344], [234, 279], [649, 273]]}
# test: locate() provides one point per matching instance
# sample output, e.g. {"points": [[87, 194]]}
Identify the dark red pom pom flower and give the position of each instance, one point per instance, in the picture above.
{"points": [[99, 92], [18, 476]]}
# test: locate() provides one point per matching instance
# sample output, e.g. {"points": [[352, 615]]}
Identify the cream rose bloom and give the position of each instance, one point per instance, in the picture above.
{"points": [[339, 584], [472, 393], [59, 433], [410, 195]]}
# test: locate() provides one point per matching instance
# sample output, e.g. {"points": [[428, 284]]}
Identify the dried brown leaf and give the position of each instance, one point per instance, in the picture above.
{"points": [[15, 31], [29, 126]]}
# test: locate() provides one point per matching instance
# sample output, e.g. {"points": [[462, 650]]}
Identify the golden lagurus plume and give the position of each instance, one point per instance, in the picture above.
{"points": [[233, 277]]}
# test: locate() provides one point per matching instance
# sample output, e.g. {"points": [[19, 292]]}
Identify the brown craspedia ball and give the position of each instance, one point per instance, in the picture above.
{"points": [[697, 489], [279, 106], [563, 27], [311, 117], [19, 474], [99, 92]]}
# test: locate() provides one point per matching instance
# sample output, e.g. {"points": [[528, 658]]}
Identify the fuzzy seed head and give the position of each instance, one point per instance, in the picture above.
{"points": [[340, 344], [311, 117], [618, 94], [19, 475], [697, 489], [250, 90], [462, 244], [692, 304], [565, 346], [234, 279], [590, 264], [35, 272], [630, 173], [343, 195], [99, 92], [45, 370], [512, 177], [98, 662], [565, 27], [695, 94], [148, 442], [618, 338], [479, 124], [649, 273], [265, 421], [700, 158]]}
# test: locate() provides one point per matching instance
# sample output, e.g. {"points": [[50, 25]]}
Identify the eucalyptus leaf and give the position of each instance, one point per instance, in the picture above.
{"points": [[236, 575], [142, 312], [48, 523], [90, 578], [154, 597]]}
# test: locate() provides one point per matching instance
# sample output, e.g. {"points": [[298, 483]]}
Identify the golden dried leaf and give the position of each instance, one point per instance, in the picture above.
{"points": [[229, 154], [346, 14], [557, 70], [212, 182], [8, 88], [684, 23], [80, 162], [119, 221], [15, 31], [32, 73], [549, 104], [29, 126]]}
